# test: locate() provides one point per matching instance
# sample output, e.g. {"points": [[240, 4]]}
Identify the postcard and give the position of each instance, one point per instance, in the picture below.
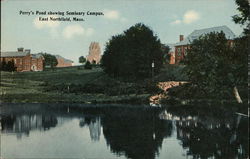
{"points": [[124, 79]]}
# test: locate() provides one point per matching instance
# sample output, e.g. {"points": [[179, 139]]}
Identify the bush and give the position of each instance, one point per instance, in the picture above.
{"points": [[88, 65]]}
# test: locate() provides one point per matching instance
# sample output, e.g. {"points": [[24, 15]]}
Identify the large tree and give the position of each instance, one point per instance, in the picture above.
{"points": [[132, 53], [216, 65], [49, 60]]}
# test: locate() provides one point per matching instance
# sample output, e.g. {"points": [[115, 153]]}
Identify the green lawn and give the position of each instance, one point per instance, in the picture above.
{"points": [[63, 85]]}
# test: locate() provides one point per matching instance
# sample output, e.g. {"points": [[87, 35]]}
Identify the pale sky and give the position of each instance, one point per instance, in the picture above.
{"points": [[167, 18]]}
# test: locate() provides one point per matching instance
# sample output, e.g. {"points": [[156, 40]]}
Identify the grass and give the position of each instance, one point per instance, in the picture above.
{"points": [[67, 85]]}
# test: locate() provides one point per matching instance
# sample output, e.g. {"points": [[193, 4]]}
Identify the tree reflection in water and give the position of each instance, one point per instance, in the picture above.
{"points": [[138, 133], [213, 134], [23, 124], [135, 134]]}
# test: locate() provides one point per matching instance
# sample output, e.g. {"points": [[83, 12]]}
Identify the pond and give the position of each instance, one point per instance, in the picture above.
{"points": [[120, 132]]}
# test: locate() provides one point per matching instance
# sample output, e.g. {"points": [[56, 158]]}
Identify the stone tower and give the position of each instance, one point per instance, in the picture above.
{"points": [[94, 55]]}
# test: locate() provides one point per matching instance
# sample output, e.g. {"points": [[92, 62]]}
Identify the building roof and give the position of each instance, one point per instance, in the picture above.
{"points": [[197, 33], [14, 54], [65, 60], [36, 56]]}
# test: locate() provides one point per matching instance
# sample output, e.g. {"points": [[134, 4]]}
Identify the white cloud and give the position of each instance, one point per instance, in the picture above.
{"points": [[111, 14], [190, 16], [176, 22], [45, 24], [76, 30], [72, 30]]}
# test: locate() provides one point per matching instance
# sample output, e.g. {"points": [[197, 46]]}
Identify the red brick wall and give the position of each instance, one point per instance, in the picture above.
{"points": [[172, 58], [63, 63], [25, 63], [180, 52]]}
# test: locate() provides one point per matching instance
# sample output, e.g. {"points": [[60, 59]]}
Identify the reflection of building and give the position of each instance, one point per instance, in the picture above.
{"points": [[184, 43], [23, 60], [63, 62], [94, 124], [25, 123], [95, 129], [94, 55]]}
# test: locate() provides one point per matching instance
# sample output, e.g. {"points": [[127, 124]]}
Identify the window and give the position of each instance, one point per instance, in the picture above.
{"points": [[179, 51]]}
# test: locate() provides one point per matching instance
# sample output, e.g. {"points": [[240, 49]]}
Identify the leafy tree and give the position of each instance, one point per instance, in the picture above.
{"points": [[243, 17], [49, 60], [9, 66], [88, 65], [131, 53], [3, 65], [82, 59], [166, 55], [216, 65]]}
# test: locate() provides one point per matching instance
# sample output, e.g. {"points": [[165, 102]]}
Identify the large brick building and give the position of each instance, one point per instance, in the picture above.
{"points": [[63, 62], [184, 43], [23, 60]]}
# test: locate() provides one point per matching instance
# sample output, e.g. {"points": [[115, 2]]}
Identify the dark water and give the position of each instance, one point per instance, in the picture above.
{"points": [[40, 131]]}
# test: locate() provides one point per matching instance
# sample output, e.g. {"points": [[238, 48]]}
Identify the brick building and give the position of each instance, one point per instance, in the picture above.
{"points": [[184, 43], [171, 53], [63, 62], [23, 60]]}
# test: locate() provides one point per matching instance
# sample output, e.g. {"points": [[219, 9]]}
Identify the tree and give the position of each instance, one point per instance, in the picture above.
{"points": [[88, 65], [216, 65], [9, 66], [82, 59], [243, 17], [166, 54], [50, 60], [131, 53]]}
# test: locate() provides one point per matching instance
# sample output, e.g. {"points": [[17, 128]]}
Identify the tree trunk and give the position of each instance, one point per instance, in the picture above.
{"points": [[236, 94]]}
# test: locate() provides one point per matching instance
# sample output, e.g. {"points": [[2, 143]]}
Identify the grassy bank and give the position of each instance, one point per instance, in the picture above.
{"points": [[78, 85], [70, 85]]}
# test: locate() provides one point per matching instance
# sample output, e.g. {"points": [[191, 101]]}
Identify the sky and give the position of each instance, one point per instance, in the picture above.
{"points": [[21, 27]]}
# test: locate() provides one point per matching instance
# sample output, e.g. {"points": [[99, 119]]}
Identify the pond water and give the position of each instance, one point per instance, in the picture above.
{"points": [[121, 132]]}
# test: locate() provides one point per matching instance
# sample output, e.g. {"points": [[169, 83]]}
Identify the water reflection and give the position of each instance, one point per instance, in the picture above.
{"points": [[23, 124], [136, 136], [211, 136], [94, 124], [127, 133]]}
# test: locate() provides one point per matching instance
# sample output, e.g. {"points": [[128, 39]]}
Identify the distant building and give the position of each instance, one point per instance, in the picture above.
{"points": [[184, 43], [171, 53], [23, 60], [63, 62], [94, 55]]}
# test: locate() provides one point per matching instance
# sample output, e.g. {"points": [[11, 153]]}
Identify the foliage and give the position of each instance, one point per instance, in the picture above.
{"points": [[88, 65], [166, 55], [49, 60], [171, 72], [215, 65], [130, 54], [9, 66], [243, 17], [82, 59]]}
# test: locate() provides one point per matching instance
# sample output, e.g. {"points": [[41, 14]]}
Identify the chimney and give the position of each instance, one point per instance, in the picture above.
{"points": [[20, 49], [181, 37], [27, 50]]}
